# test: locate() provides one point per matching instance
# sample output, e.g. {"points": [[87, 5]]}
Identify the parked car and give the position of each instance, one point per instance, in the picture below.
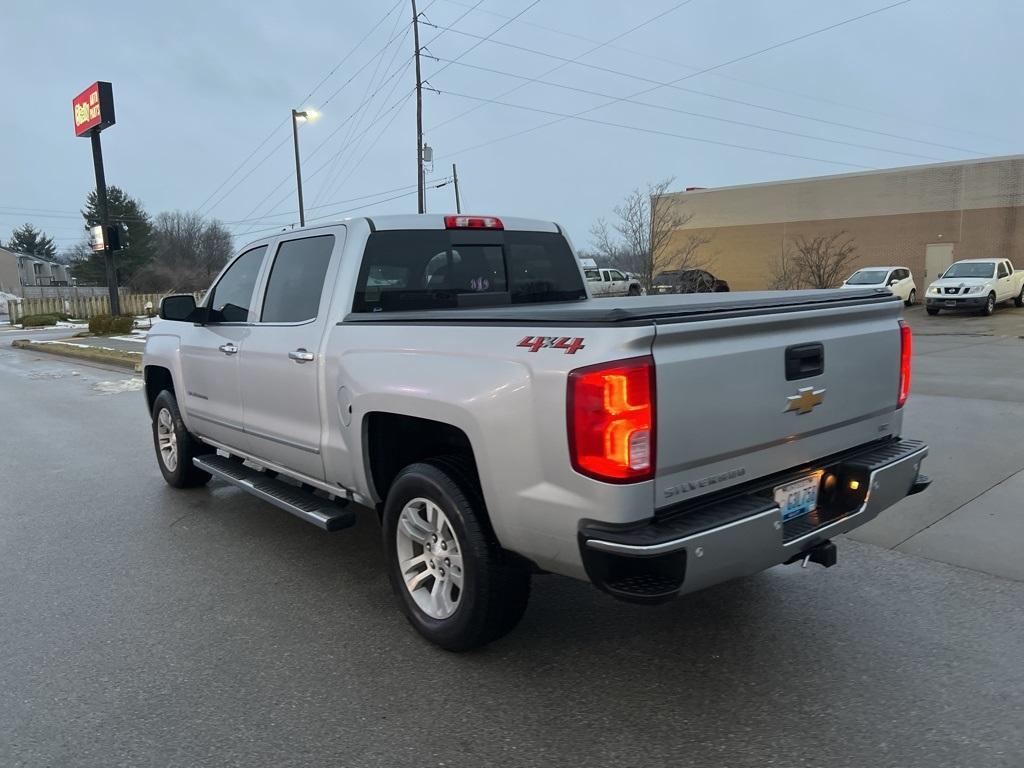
{"points": [[451, 374], [899, 280], [611, 282], [688, 281], [976, 284]]}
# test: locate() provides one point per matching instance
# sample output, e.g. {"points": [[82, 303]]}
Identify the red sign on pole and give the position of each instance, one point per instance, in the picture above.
{"points": [[93, 109]]}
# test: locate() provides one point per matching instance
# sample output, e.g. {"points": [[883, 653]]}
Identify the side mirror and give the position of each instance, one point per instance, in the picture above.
{"points": [[893, 281], [180, 307]]}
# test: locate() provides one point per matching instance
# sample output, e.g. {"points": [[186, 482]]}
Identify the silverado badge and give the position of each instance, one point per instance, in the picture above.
{"points": [[805, 400]]}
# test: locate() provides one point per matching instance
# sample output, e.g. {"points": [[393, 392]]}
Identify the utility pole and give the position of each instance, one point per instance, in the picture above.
{"points": [[421, 192], [455, 178]]}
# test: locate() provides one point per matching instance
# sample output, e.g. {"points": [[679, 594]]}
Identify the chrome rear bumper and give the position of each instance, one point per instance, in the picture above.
{"points": [[744, 534]]}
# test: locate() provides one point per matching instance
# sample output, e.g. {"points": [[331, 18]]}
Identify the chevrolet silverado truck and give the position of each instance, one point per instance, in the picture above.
{"points": [[452, 374], [976, 284]]}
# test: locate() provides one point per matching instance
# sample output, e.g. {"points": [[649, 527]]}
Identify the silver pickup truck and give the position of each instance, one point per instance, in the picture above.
{"points": [[452, 373]]}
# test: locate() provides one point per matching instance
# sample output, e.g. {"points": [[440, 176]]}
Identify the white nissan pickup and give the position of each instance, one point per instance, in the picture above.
{"points": [[976, 284], [452, 374]]}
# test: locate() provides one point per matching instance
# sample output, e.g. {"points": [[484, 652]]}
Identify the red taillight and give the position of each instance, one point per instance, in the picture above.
{"points": [[610, 415], [906, 350], [473, 222]]}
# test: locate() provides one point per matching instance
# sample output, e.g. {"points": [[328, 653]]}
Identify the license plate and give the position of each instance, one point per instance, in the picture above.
{"points": [[799, 497], [950, 303]]}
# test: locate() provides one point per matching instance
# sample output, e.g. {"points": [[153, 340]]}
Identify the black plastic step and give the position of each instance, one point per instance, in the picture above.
{"points": [[328, 515]]}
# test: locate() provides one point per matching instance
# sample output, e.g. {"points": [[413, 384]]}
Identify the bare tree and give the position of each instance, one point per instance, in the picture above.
{"points": [[821, 261], [643, 237], [189, 251], [785, 276]]}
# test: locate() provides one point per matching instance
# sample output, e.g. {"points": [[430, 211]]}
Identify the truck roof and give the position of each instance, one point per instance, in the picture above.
{"points": [[425, 221], [980, 261]]}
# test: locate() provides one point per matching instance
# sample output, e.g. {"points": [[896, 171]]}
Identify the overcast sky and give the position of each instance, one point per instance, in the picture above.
{"points": [[199, 85]]}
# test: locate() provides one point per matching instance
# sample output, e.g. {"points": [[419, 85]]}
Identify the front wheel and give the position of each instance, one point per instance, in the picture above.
{"points": [[175, 447], [931, 310], [453, 581], [990, 305], [912, 298], [634, 290], [1019, 301]]}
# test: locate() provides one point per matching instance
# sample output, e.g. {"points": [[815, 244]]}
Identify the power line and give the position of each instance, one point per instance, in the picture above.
{"points": [[397, 104], [339, 213], [352, 147], [674, 84], [562, 116], [331, 174], [482, 40], [666, 108], [733, 78], [307, 97], [565, 62]]}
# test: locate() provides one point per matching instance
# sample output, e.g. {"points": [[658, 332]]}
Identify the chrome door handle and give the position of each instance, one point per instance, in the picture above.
{"points": [[302, 356], [228, 349]]}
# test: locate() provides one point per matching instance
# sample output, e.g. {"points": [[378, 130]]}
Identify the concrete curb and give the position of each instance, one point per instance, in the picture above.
{"points": [[131, 361]]}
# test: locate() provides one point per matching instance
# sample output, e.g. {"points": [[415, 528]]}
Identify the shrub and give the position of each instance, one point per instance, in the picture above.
{"points": [[106, 324], [37, 321]]}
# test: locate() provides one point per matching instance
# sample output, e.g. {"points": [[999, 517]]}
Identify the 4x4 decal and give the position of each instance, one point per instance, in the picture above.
{"points": [[535, 343]]}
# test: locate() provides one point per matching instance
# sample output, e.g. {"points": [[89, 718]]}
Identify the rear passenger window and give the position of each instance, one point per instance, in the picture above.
{"points": [[232, 295], [297, 280]]}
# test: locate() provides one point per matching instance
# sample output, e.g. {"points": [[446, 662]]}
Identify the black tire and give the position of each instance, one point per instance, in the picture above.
{"points": [[184, 473], [495, 583], [1019, 301], [990, 305], [931, 310], [912, 298], [634, 290]]}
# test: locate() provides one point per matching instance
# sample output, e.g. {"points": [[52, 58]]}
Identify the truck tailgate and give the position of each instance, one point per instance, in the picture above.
{"points": [[743, 397]]}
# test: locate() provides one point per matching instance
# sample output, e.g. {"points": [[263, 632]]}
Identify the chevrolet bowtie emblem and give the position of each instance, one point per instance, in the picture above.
{"points": [[805, 400]]}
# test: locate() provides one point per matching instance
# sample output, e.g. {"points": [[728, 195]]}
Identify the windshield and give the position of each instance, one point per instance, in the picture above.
{"points": [[868, 277], [971, 269], [667, 278], [430, 269]]}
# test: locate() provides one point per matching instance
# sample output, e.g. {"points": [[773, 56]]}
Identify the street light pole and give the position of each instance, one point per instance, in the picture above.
{"points": [[298, 165]]}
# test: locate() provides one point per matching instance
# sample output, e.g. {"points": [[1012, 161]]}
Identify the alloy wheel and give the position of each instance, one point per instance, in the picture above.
{"points": [[167, 440], [430, 558]]}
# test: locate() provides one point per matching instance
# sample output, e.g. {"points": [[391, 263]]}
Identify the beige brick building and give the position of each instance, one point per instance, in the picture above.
{"points": [[922, 217]]}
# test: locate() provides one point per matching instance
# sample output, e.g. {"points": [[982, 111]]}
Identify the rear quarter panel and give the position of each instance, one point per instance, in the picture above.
{"points": [[509, 401]]}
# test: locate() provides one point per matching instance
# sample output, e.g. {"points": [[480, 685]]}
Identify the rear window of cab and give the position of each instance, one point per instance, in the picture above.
{"points": [[405, 270]]}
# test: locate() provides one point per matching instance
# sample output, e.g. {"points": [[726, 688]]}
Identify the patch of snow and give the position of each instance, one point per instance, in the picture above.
{"points": [[62, 324], [117, 387]]}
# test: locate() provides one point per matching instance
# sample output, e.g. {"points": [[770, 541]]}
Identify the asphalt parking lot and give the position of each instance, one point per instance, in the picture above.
{"points": [[143, 626]]}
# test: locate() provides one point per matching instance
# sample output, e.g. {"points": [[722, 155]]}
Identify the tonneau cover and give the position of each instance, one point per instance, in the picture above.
{"points": [[634, 309]]}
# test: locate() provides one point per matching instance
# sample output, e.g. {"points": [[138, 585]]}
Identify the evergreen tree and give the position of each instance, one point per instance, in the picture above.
{"points": [[28, 239], [127, 212]]}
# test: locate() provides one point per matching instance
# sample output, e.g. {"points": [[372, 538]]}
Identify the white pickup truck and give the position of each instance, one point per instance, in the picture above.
{"points": [[611, 282], [452, 375], [976, 284]]}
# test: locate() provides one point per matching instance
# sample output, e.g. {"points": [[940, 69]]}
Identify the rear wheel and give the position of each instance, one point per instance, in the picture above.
{"points": [[990, 305], [175, 447], [1019, 301], [453, 581], [912, 298]]}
